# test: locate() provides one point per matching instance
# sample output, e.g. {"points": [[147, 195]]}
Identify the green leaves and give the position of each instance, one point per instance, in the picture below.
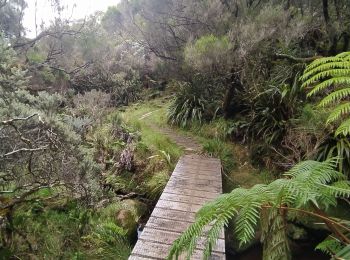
{"points": [[309, 183], [331, 72]]}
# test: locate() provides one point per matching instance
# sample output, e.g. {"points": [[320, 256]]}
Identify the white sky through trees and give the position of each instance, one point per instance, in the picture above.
{"points": [[76, 8]]}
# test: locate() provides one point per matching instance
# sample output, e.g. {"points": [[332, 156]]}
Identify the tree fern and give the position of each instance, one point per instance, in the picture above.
{"points": [[331, 72], [308, 187]]}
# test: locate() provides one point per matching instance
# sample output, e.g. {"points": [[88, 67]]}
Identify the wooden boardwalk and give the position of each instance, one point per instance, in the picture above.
{"points": [[195, 181]]}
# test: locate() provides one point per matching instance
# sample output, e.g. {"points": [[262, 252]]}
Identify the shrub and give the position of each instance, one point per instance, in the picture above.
{"points": [[218, 148], [195, 101], [157, 183], [209, 54]]}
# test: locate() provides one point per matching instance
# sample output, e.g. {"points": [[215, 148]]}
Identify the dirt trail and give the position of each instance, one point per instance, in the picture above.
{"points": [[188, 143]]}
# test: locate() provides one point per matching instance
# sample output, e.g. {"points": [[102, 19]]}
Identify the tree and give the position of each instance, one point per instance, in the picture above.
{"points": [[11, 14], [39, 150]]}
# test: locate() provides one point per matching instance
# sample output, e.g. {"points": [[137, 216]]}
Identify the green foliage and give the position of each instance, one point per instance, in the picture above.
{"points": [[217, 148], [108, 241], [334, 72], [270, 111], [194, 102], [209, 53], [336, 146], [35, 56], [307, 185], [157, 183], [330, 246]]}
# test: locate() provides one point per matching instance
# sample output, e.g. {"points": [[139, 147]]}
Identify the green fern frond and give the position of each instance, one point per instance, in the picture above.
{"points": [[330, 246], [344, 55], [340, 189], [338, 112], [326, 74], [331, 82], [344, 128], [335, 96], [321, 68], [331, 72]]}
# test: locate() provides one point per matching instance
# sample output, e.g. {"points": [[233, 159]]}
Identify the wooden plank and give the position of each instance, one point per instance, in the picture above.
{"points": [[172, 225], [138, 257], [180, 175], [195, 193], [199, 187], [160, 251], [178, 206], [184, 198], [169, 237], [173, 214], [206, 184]]}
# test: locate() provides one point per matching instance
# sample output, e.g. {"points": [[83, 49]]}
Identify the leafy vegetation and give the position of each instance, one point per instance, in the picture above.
{"points": [[87, 107]]}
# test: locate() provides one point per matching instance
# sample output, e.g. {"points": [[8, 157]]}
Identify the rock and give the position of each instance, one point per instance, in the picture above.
{"points": [[137, 207], [125, 219], [128, 217]]}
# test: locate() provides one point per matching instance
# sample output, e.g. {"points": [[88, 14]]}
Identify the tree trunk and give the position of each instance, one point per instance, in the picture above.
{"points": [[234, 84]]}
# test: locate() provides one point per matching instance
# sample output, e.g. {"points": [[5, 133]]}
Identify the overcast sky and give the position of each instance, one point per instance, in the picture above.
{"points": [[44, 11]]}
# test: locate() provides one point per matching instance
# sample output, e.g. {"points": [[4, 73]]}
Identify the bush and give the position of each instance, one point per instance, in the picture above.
{"points": [[195, 101], [209, 54], [157, 183], [92, 104], [219, 149]]}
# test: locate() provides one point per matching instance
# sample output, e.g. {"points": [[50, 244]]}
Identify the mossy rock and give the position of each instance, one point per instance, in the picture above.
{"points": [[128, 216], [137, 208], [125, 219]]}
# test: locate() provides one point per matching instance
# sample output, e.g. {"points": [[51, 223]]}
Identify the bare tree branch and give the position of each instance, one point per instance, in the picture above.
{"points": [[10, 121], [296, 59], [24, 150]]}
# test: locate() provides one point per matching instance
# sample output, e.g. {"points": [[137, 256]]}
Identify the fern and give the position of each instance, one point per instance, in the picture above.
{"points": [[308, 185], [329, 246], [331, 72]]}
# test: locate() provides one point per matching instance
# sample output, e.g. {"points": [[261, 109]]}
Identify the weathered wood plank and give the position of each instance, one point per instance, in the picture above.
{"points": [[195, 184], [184, 198], [196, 193], [173, 214], [168, 237], [158, 250], [178, 206], [172, 225]]}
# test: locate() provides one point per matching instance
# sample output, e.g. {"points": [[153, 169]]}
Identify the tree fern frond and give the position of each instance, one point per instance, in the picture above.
{"points": [[344, 55], [344, 128], [317, 171], [338, 189], [331, 71], [247, 221], [335, 96], [338, 112], [326, 74], [332, 65], [213, 234], [331, 82], [330, 246]]}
